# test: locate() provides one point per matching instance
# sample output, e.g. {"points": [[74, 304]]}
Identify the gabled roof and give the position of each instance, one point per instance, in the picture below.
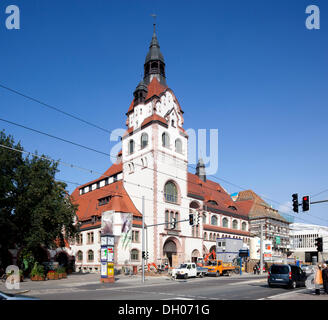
{"points": [[212, 191], [155, 88], [256, 207], [119, 199]]}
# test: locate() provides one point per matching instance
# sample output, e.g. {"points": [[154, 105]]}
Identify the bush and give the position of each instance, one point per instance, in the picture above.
{"points": [[38, 270], [61, 270]]}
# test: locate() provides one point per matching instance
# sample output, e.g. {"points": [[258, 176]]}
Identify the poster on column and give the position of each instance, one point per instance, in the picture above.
{"points": [[103, 270], [126, 231], [107, 222]]}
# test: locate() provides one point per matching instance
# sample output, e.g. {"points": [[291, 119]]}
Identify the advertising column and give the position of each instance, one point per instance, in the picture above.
{"points": [[107, 248]]}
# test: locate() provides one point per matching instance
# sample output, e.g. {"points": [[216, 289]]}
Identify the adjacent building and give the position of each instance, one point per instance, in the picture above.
{"points": [[302, 239], [275, 227]]}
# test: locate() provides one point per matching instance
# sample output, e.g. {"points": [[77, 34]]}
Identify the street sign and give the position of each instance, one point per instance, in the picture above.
{"points": [[277, 240]]}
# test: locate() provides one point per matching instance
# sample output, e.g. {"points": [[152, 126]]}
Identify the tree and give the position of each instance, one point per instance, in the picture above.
{"points": [[35, 209]]}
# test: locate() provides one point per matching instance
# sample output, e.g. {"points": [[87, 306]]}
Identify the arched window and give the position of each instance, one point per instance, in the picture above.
{"points": [[171, 192], [165, 140], [234, 224], [134, 255], [214, 220], [243, 226], [204, 218], [225, 223], [144, 140], [178, 146], [131, 146], [90, 255], [79, 256], [205, 236]]}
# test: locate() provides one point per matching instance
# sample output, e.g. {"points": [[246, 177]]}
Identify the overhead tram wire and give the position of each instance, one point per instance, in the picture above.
{"points": [[54, 108], [107, 154], [55, 137], [105, 130], [107, 176]]}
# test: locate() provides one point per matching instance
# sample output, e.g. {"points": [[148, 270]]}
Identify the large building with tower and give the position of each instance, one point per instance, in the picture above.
{"points": [[153, 164]]}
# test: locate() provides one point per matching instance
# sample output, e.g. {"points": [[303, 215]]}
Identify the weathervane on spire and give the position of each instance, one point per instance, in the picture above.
{"points": [[154, 16]]}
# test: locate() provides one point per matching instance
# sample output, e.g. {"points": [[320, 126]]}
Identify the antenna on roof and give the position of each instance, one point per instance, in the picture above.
{"points": [[154, 16]]}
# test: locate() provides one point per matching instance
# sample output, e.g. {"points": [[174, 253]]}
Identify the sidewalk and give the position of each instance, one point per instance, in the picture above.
{"points": [[303, 294]]}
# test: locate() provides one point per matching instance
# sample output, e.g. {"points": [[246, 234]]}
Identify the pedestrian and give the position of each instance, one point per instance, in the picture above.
{"points": [[325, 277], [318, 279]]}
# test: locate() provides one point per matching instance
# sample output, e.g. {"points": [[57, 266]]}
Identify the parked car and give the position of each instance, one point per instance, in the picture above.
{"points": [[286, 275], [10, 296], [185, 270]]}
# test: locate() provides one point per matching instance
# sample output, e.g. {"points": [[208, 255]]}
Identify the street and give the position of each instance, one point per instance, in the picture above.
{"points": [[88, 287]]}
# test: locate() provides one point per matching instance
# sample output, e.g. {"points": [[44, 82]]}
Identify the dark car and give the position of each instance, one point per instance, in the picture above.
{"points": [[287, 275]]}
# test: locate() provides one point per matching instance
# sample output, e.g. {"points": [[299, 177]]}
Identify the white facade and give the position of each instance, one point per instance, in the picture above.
{"points": [[302, 238]]}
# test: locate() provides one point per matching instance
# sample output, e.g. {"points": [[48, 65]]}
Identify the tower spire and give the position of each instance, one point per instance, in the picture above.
{"points": [[154, 63]]}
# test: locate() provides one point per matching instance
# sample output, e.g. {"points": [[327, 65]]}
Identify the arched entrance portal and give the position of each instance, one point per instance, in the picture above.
{"points": [[194, 255], [169, 250]]}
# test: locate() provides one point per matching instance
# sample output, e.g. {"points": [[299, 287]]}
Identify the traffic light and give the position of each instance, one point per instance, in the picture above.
{"points": [[191, 219], [143, 255], [147, 255], [173, 223], [295, 202], [318, 244], [306, 203]]}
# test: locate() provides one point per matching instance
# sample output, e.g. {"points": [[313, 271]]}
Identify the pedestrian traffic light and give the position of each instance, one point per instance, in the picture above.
{"points": [[191, 219], [306, 203], [295, 202], [173, 223], [318, 244]]}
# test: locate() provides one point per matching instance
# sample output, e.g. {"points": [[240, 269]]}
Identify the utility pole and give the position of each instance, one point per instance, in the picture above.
{"points": [[261, 249], [143, 239]]}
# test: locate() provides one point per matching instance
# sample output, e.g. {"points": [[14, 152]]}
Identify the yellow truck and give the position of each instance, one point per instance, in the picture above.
{"points": [[220, 268]]}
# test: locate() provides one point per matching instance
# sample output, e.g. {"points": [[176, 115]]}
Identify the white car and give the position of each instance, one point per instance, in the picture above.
{"points": [[185, 270]]}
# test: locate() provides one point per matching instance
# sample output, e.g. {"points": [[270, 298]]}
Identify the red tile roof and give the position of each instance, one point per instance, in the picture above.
{"points": [[154, 117], [211, 190], [155, 88], [88, 202]]}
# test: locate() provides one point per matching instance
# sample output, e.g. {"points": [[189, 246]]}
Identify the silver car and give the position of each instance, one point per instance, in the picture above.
{"points": [[10, 296]]}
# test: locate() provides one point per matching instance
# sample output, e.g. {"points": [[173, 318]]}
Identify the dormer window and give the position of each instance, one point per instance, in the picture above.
{"points": [[172, 123], [212, 202]]}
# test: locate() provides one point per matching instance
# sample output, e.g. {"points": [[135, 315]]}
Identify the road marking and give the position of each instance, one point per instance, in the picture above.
{"points": [[245, 282], [283, 294]]}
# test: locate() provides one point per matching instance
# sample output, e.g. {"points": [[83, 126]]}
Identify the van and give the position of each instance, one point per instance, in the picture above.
{"points": [[290, 276]]}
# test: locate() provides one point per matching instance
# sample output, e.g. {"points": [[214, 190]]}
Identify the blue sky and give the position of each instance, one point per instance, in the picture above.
{"points": [[250, 69]]}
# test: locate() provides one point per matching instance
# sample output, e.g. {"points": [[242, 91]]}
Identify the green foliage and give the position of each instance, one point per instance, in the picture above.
{"points": [[35, 210], [61, 270], [38, 270]]}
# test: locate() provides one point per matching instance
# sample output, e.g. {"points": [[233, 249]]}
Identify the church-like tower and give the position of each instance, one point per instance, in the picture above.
{"points": [[155, 156]]}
